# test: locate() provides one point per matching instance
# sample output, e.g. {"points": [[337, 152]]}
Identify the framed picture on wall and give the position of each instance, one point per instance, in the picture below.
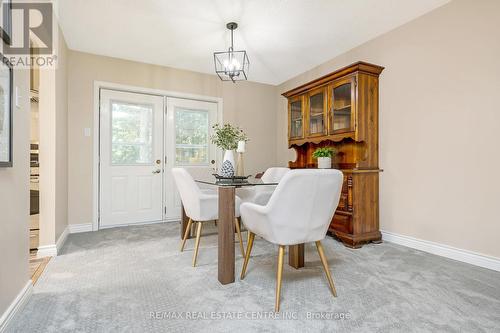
{"points": [[6, 81], [6, 20]]}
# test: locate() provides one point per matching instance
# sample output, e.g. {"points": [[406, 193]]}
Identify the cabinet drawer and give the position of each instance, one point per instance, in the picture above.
{"points": [[342, 223]]}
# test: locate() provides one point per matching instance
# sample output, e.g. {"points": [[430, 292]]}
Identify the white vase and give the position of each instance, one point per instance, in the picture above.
{"points": [[229, 156], [324, 162]]}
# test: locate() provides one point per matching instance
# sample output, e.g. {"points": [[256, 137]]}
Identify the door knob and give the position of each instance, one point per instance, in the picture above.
{"points": [[157, 171]]}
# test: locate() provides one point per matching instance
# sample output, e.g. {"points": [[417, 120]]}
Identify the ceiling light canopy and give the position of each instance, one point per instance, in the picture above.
{"points": [[231, 65]]}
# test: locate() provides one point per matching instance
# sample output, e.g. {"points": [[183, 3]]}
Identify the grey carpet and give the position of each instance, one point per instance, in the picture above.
{"points": [[114, 279]]}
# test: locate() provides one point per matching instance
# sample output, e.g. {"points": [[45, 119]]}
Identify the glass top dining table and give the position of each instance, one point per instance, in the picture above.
{"points": [[234, 182], [225, 226]]}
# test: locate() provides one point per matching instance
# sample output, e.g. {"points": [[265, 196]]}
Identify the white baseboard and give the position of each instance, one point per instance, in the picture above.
{"points": [[16, 305], [62, 239], [86, 227], [53, 249], [76, 228], [450, 252], [46, 251], [172, 219]]}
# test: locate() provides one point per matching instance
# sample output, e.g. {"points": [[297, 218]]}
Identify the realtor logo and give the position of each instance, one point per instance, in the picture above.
{"points": [[30, 43]]}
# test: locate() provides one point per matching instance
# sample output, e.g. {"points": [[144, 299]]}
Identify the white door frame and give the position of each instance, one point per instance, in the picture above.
{"points": [[98, 85]]}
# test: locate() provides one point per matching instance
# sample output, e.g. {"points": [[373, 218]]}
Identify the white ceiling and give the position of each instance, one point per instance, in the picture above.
{"points": [[283, 38]]}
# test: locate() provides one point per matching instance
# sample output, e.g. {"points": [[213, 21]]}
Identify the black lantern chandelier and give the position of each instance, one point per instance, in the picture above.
{"points": [[231, 65]]}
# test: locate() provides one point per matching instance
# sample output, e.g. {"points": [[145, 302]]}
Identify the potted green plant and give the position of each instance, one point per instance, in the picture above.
{"points": [[226, 137], [324, 156]]}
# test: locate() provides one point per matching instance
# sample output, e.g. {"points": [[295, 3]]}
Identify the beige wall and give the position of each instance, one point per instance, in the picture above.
{"points": [[14, 202], [47, 159], [61, 89], [249, 105], [439, 124], [14, 182], [53, 132]]}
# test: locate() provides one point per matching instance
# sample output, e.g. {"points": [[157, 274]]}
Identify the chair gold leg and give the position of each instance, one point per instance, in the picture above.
{"points": [[197, 244], [325, 266], [238, 232], [279, 275], [251, 237], [186, 233]]}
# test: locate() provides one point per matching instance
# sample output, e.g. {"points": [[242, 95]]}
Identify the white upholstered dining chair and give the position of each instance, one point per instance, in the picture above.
{"points": [[260, 194], [299, 211], [200, 206]]}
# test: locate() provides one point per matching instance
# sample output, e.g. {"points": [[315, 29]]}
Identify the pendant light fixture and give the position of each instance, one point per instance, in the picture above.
{"points": [[231, 65]]}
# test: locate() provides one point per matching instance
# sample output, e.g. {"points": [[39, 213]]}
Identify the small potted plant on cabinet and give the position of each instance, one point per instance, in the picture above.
{"points": [[324, 156]]}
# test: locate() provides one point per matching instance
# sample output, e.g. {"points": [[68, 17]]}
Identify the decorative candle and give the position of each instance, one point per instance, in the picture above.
{"points": [[241, 147]]}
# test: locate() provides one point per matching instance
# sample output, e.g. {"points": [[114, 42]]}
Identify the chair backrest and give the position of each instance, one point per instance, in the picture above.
{"points": [[188, 190], [302, 206], [274, 175]]}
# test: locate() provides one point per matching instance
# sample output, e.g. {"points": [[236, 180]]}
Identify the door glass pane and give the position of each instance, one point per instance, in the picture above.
{"points": [[131, 133], [342, 107], [191, 136], [316, 117], [296, 119]]}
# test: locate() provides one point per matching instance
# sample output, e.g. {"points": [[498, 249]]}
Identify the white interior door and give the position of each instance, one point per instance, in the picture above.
{"points": [[131, 158], [187, 143]]}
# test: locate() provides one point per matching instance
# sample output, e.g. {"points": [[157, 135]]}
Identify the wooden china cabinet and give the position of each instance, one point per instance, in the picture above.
{"points": [[340, 110]]}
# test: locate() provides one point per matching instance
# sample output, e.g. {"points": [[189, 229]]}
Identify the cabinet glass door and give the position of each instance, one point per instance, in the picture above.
{"points": [[296, 116], [341, 119], [317, 113]]}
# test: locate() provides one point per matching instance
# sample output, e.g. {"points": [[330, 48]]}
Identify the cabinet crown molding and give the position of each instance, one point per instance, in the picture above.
{"points": [[360, 66]]}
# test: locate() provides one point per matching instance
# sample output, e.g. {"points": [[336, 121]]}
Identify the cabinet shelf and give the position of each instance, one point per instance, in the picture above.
{"points": [[342, 108]]}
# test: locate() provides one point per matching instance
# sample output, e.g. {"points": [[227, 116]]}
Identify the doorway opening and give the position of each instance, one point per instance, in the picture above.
{"points": [[34, 160], [36, 263]]}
